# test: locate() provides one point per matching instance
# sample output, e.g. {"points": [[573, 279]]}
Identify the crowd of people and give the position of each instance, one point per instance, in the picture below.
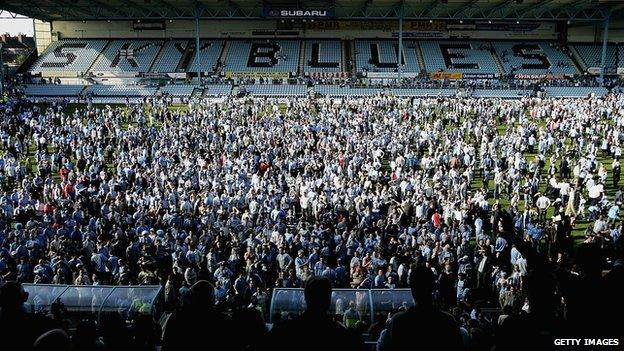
{"points": [[251, 194]]}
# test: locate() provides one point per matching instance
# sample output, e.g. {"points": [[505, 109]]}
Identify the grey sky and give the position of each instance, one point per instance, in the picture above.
{"points": [[15, 25]]}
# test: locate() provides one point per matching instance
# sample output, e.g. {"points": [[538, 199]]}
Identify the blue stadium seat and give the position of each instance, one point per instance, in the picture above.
{"points": [[575, 92], [540, 57], [209, 52], [178, 90], [170, 56], [500, 93], [276, 90], [69, 55], [128, 56], [422, 92], [337, 90], [218, 90], [323, 56], [122, 91], [591, 54], [455, 56], [53, 90], [381, 56], [262, 56]]}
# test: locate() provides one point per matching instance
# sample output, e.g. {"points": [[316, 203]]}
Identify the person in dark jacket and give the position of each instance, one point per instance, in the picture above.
{"points": [[198, 324], [327, 334], [423, 326]]}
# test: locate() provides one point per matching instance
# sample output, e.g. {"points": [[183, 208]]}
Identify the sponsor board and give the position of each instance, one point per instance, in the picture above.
{"points": [[445, 75], [230, 74], [298, 13], [376, 25], [390, 75], [479, 76], [319, 75], [419, 35], [539, 76]]}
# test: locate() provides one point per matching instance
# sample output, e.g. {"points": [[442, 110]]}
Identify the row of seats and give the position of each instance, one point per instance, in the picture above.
{"points": [[179, 90], [122, 90], [417, 92], [276, 89], [338, 90], [500, 93], [573, 92], [218, 90], [591, 54], [53, 90]]}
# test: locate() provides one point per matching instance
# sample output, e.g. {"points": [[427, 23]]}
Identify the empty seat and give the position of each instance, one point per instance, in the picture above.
{"points": [[53, 90], [263, 56], [382, 56], [323, 56], [454, 56], [276, 90], [131, 56], [538, 57], [69, 55]]}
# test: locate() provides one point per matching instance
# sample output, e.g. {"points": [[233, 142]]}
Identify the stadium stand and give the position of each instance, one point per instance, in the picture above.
{"points": [[575, 91], [535, 57], [381, 56], [323, 56], [209, 52], [453, 56], [418, 92], [121, 91], [591, 55], [170, 56], [276, 90], [262, 56], [178, 90], [53, 90], [127, 56], [217, 90], [500, 93], [337, 90], [69, 55]]}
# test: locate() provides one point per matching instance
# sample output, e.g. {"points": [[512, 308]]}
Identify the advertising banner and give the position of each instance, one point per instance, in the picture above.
{"points": [[445, 75], [298, 13], [230, 74], [320, 75], [419, 35], [390, 75], [376, 25], [539, 76], [479, 76]]}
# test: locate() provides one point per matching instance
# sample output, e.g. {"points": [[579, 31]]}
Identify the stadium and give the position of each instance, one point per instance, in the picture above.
{"points": [[339, 174]]}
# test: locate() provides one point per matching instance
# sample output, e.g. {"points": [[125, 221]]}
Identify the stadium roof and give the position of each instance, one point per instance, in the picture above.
{"points": [[581, 10]]}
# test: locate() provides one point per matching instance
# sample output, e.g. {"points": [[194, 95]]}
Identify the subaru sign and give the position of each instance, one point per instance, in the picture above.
{"points": [[293, 13]]}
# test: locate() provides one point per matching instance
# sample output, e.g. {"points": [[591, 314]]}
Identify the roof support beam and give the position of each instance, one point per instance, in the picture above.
{"points": [[465, 7], [432, 5]]}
